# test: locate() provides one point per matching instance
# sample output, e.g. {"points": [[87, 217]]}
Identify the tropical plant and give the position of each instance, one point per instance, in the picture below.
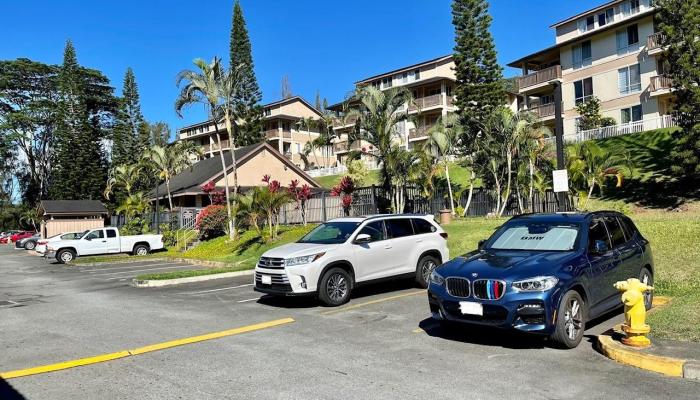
{"points": [[344, 189], [308, 123], [592, 165], [271, 199], [133, 205], [357, 170], [212, 221], [168, 162], [216, 196], [300, 194], [442, 144], [218, 90], [124, 176], [30, 217]]}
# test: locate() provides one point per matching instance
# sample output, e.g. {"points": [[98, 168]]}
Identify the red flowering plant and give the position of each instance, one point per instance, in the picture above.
{"points": [[211, 221], [344, 189], [273, 185], [216, 197], [300, 194]]}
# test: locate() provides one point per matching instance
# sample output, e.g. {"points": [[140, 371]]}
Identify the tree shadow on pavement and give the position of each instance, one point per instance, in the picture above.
{"points": [[7, 392]]}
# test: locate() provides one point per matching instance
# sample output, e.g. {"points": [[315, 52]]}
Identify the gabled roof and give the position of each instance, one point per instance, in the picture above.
{"points": [[73, 207], [191, 179]]}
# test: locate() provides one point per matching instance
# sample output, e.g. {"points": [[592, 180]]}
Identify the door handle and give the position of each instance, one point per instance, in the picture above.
{"points": [[419, 240], [387, 246], [104, 241]]}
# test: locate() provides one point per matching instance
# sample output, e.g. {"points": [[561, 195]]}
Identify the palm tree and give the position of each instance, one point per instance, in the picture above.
{"points": [[378, 115], [442, 142], [168, 162], [133, 205], [308, 123], [125, 176], [215, 88], [592, 164], [31, 217]]}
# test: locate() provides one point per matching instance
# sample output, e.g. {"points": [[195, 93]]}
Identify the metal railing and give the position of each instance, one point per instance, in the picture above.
{"points": [[654, 41], [343, 146], [663, 121], [426, 102], [418, 133], [338, 122], [187, 232], [541, 76], [660, 82], [542, 111]]}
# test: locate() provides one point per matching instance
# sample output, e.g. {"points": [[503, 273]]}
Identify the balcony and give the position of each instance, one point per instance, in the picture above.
{"points": [[659, 85], [544, 111], [339, 123], [420, 133], [654, 43], [214, 147], [275, 134], [426, 102], [341, 147], [539, 78]]}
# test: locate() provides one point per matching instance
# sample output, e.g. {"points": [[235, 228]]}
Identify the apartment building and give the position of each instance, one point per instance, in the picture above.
{"points": [[282, 130], [611, 52], [432, 84]]}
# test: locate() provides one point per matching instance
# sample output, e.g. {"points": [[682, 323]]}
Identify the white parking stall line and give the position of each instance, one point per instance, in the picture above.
{"points": [[247, 300], [92, 271], [217, 290]]}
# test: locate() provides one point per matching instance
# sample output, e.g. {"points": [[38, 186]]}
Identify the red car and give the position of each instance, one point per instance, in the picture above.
{"points": [[18, 236]]}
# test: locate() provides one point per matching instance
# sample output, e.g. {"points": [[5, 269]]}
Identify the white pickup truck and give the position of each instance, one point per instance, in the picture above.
{"points": [[103, 241]]}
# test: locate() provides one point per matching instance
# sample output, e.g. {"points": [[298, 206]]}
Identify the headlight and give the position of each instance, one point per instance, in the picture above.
{"points": [[289, 262], [436, 278], [536, 284]]}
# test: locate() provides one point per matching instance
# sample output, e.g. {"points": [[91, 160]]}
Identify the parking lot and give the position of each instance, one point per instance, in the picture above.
{"points": [[381, 345]]}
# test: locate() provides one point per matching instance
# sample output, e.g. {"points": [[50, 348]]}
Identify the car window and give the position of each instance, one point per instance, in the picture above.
{"points": [[616, 234], [95, 235], [422, 226], [111, 233], [330, 233], [398, 227], [540, 236], [375, 230], [627, 227], [597, 232]]}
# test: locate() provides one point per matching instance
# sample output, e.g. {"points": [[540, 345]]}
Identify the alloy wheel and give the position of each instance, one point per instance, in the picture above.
{"points": [[572, 319], [141, 251], [427, 268], [337, 287], [66, 257]]}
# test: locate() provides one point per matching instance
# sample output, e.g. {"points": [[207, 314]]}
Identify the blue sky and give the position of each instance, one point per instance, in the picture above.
{"points": [[322, 46]]}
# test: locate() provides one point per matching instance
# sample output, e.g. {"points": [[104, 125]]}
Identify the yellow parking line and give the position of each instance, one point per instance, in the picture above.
{"points": [[141, 350], [398, 296]]}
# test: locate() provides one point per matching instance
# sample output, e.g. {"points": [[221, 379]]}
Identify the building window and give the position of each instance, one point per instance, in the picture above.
{"points": [[268, 112], [581, 54], [627, 40], [404, 77], [583, 90], [631, 114], [629, 80], [586, 24], [377, 84], [386, 82], [417, 74], [629, 8], [606, 17]]}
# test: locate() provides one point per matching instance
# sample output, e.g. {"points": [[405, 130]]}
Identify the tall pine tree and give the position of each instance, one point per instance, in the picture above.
{"points": [[131, 133], [479, 87], [679, 21], [78, 164], [248, 107]]}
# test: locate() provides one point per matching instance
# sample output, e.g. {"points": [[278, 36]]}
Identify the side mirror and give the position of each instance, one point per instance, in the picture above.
{"points": [[363, 238], [481, 244], [601, 246], [88, 238]]}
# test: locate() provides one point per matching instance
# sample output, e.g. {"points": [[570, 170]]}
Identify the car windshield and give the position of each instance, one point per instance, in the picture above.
{"points": [[535, 236], [330, 233], [73, 235]]}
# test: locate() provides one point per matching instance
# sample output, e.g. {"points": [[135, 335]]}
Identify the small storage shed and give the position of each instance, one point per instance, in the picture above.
{"points": [[58, 216]]}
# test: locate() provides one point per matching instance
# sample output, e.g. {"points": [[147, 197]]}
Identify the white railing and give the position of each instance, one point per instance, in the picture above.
{"points": [[339, 170], [663, 121]]}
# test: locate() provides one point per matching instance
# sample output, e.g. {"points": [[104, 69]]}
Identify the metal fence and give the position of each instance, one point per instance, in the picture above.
{"points": [[180, 218]]}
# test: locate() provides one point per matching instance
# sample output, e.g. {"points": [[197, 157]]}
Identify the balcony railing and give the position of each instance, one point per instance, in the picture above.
{"points": [[347, 122], [543, 111], [654, 41], [343, 146], [663, 121], [418, 133], [215, 147], [426, 102], [538, 77], [275, 133], [660, 82]]}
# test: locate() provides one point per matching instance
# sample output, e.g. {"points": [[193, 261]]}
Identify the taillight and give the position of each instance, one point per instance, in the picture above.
{"points": [[444, 235]]}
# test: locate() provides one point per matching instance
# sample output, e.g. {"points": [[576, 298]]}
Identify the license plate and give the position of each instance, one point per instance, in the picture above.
{"points": [[266, 279], [468, 307]]}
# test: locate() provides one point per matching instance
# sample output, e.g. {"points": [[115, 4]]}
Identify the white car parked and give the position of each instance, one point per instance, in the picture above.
{"points": [[335, 257], [41, 244], [103, 241]]}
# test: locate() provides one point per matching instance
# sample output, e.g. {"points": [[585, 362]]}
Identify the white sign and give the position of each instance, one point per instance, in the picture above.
{"points": [[560, 177]]}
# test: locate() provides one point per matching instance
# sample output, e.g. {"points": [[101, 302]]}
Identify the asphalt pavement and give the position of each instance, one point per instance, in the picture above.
{"points": [[382, 345]]}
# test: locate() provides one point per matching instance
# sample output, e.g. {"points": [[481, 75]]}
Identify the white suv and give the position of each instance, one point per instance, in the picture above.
{"points": [[338, 255]]}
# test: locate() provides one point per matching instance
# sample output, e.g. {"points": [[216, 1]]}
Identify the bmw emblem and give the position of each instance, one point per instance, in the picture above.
{"points": [[474, 274]]}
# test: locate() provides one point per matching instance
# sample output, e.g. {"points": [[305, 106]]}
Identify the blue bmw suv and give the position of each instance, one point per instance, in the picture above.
{"points": [[543, 273]]}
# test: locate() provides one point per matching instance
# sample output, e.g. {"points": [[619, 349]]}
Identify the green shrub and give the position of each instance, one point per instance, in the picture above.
{"points": [[134, 226], [169, 235]]}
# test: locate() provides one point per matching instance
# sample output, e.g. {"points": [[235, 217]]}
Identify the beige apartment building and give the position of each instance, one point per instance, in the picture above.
{"points": [[432, 83], [282, 130], [611, 52]]}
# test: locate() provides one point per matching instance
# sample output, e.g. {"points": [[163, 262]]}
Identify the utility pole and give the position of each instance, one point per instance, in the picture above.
{"points": [[559, 135]]}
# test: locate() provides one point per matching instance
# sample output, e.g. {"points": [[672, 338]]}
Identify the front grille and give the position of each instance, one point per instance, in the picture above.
{"points": [[280, 282], [458, 287], [489, 289], [271, 263]]}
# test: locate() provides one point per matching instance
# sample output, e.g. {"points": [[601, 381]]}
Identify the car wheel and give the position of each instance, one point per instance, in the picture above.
{"points": [[30, 245], [65, 256], [335, 288], [571, 320], [425, 266], [141, 250], [647, 278]]}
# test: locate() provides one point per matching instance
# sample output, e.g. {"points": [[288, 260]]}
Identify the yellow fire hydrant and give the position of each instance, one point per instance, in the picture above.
{"points": [[634, 327]]}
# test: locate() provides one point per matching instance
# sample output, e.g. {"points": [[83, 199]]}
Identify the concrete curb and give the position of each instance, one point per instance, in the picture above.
{"points": [[637, 358], [201, 278], [128, 260]]}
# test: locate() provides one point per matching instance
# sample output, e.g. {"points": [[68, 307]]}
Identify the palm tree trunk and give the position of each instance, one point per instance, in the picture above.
{"points": [[232, 144], [170, 197], [226, 190], [449, 188], [471, 192], [520, 199], [590, 193], [507, 192], [531, 193], [498, 191]]}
